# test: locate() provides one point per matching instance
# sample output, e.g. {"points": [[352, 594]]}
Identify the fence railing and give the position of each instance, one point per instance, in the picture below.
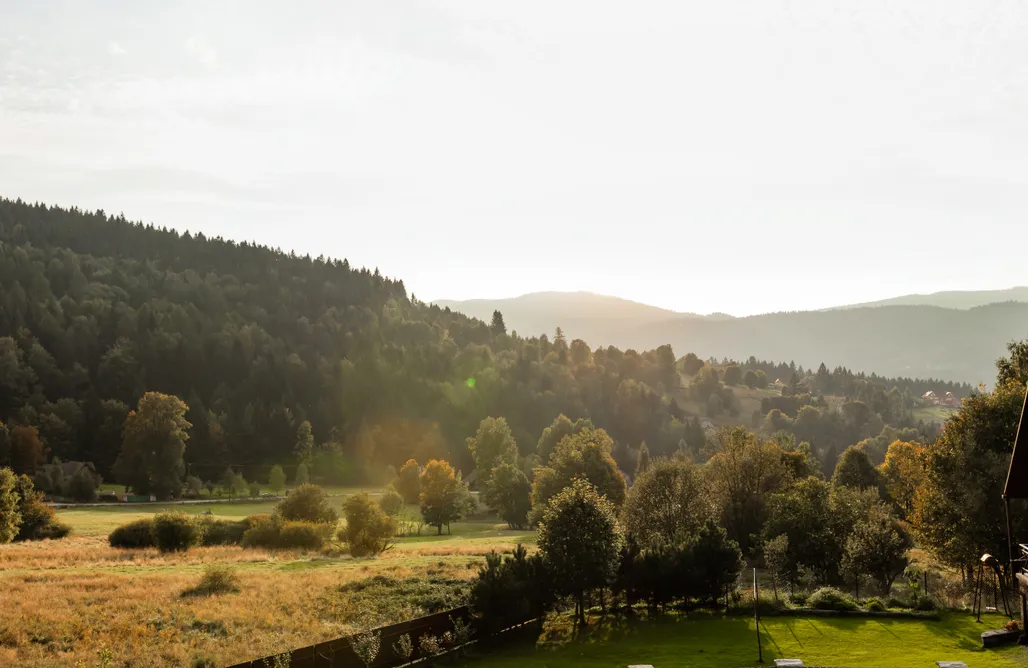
{"points": [[339, 653]]}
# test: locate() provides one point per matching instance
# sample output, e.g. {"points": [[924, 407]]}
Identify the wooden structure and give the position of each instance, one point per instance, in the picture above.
{"points": [[1016, 487]]}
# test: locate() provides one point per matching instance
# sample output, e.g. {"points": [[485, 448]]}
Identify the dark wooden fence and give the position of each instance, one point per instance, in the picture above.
{"points": [[339, 653]]}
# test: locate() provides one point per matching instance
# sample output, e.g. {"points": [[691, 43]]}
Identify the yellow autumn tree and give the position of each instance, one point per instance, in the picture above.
{"points": [[903, 472]]}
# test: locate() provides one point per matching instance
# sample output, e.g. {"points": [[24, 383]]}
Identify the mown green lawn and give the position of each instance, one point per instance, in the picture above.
{"points": [[715, 642]]}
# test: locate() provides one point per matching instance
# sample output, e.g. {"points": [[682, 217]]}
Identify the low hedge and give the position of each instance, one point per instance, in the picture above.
{"points": [[220, 532], [136, 534], [273, 533]]}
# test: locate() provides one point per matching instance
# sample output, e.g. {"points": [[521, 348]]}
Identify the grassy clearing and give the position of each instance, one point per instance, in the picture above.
{"points": [[101, 520], [936, 414], [69, 596], [714, 642]]}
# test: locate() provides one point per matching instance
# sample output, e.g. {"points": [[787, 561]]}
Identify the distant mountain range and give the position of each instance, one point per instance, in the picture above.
{"points": [[962, 299], [948, 335]]}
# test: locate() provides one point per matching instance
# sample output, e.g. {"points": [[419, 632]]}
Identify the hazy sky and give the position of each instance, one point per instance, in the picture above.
{"points": [[734, 156]]}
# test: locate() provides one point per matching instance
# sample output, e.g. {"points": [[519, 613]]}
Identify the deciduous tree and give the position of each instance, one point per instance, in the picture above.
{"points": [[10, 515], [903, 473], [408, 482], [581, 539], [958, 510], [855, 470], [27, 450], [492, 445], [877, 546], [585, 455], [666, 503], [508, 492], [276, 479], [153, 444], [562, 426], [740, 476], [444, 496]]}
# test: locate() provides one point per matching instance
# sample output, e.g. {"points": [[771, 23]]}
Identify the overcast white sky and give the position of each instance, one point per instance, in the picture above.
{"points": [[702, 156]]}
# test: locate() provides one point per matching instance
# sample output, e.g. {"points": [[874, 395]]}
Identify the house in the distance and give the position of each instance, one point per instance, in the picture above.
{"points": [[70, 469], [930, 397], [951, 400]]}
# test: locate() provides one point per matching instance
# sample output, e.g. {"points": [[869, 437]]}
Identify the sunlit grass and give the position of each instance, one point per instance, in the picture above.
{"points": [[69, 596], [714, 642]]}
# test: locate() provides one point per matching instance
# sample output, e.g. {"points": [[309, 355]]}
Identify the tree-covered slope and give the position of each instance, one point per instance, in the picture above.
{"points": [[95, 310]]}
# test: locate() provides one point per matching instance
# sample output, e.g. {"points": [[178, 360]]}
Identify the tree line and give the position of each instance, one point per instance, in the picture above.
{"points": [[95, 311]]}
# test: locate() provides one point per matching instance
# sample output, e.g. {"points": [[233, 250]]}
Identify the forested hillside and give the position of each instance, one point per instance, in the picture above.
{"points": [[95, 310], [893, 340]]}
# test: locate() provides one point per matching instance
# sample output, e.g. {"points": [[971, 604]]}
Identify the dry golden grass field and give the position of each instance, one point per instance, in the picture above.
{"points": [[64, 600]]}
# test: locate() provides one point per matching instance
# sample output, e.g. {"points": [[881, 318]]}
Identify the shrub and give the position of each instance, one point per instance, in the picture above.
{"points": [[220, 532], [874, 604], [510, 590], [429, 645], [255, 490], [391, 503], [272, 533], [307, 503], [302, 535], [368, 529], [134, 534], [175, 532], [38, 521], [251, 521], [897, 603], [799, 598], [830, 598], [263, 532], [366, 646], [216, 579], [925, 604], [403, 648]]}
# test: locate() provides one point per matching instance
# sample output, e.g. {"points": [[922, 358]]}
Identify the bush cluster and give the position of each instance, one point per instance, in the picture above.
{"points": [[697, 569], [369, 529], [137, 534], [273, 533], [511, 590], [874, 604], [175, 532], [23, 513], [830, 598], [391, 503], [220, 532], [304, 520]]}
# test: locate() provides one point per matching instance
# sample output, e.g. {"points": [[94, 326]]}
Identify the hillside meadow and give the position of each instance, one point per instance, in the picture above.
{"points": [[66, 599]]}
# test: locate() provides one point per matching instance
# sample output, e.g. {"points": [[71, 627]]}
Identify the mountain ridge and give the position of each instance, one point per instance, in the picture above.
{"points": [[910, 340]]}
